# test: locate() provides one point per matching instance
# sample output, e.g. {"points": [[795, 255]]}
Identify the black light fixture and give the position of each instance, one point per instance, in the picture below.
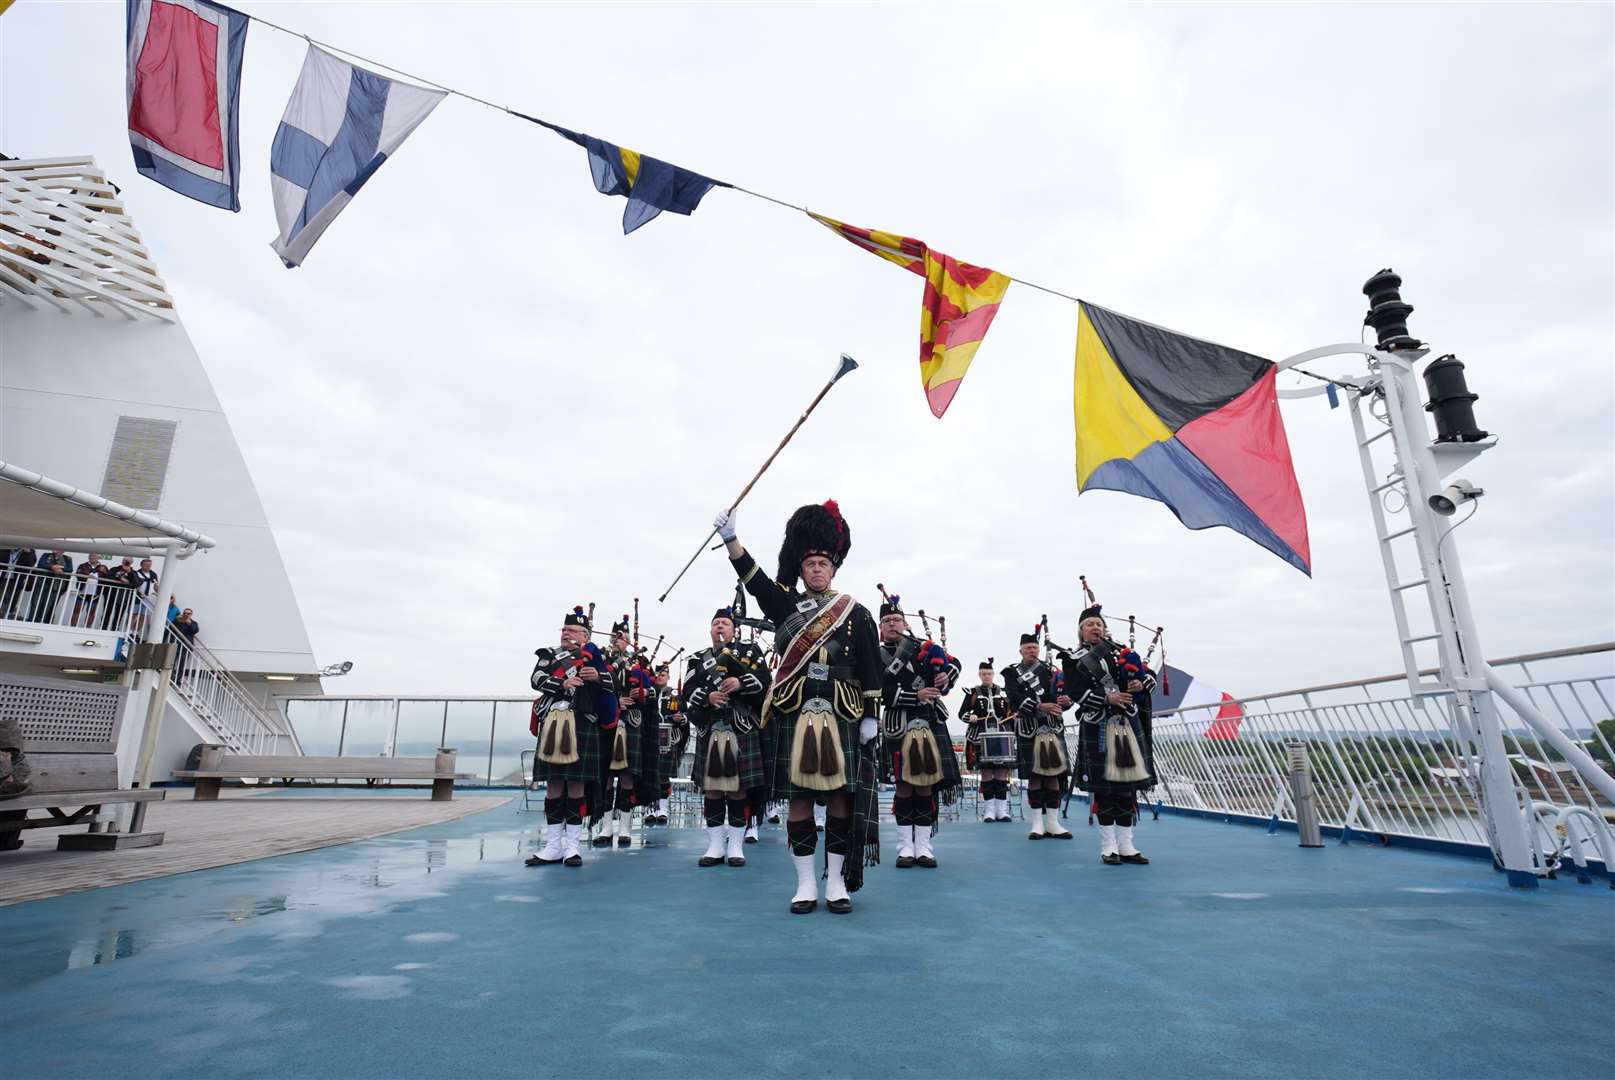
{"points": [[1451, 402], [1387, 314]]}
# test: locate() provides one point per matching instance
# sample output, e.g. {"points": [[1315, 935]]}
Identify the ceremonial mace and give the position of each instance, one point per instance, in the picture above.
{"points": [[846, 365]]}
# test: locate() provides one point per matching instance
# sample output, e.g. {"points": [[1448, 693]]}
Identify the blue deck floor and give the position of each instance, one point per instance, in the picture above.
{"points": [[436, 953]]}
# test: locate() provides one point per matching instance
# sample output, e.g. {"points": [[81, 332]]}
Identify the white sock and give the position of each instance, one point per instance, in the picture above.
{"points": [[834, 887], [1124, 840], [714, 842], [807, 879], [905, 841], [1107, 839], [734, 841]]}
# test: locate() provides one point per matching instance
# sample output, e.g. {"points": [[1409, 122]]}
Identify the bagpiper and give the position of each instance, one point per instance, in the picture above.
{"points": [[1039, 739], [825, 701], [725, 687], [622, 758], [914, 732], [985, 711], [576, 707], [670, 713], [1111, 687]]}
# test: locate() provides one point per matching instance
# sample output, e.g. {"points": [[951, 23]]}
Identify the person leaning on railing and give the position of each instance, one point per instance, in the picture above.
{"points": [[185, 629], [50, 583], [144, 583], [18, 565]]}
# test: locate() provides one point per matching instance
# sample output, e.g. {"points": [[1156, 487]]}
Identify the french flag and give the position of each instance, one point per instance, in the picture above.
{"points": [[1221, 711], [183, 84]]}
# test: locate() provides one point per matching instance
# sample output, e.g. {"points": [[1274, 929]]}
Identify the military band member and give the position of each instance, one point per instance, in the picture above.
{"points": [[1111, 688], [914, 730], [669, 710], [724, 690], [825, 701], [576, 706], [621, 754], [986, 709], [1040, 739]]}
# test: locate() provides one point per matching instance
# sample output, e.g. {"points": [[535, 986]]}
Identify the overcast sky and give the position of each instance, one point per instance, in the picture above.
{"points": [[478, 403]]}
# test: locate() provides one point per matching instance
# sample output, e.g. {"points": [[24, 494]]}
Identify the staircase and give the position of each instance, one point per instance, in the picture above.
{"points": [[226, 712]]}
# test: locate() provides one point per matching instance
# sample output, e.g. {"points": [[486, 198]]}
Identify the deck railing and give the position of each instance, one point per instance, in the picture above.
{"points": [[31, 595], [1390, 765]]}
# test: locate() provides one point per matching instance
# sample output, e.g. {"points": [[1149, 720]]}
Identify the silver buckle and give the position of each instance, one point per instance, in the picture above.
{"points": [[819, 671]]}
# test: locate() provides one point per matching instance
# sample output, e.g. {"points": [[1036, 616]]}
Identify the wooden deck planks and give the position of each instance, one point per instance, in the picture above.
{"points": [[236, 828]]}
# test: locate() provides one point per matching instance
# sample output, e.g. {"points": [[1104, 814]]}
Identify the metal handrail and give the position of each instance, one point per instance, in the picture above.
{"points": [[1379, 680], [1392, 766], [219, 699]]}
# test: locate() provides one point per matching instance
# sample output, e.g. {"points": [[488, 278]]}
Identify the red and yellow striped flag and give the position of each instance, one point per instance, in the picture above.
{"points": [[959, 305]]}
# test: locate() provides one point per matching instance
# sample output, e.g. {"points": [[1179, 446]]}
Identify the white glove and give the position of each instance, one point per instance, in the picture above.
{"points": [[867, 729], [725, 524]]}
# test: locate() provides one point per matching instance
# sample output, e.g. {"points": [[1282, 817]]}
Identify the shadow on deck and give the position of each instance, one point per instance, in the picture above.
{"points": [[436, 953]]}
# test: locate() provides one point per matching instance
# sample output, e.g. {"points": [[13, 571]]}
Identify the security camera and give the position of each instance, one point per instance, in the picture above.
{"points": [[1453, 496]]}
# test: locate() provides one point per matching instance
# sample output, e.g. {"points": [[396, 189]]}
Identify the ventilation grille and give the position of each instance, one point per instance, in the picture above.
{"points": [[62, 717], [137, 467]]}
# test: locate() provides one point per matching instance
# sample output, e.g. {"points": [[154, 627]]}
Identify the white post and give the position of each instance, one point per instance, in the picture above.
{"points": [[158, 700]]}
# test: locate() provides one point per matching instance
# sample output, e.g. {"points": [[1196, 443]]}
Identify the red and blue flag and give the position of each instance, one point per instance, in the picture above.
{"points": [[183, 83]]}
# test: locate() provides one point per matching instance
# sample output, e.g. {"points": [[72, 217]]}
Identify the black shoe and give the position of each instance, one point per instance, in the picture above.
{"points": [[1059, 835], [1137, 858], [574, 861], [534, 860], [751, 839], [1112, 859], [926, 861], [601, 841], [736, 861], [904, 862], [839, 907], [709, 860], [1034, 836], [773, 819], [623, 841], [802, 907]]}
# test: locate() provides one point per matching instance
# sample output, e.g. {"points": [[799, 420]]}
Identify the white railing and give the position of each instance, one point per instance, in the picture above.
{"points": [[1393, 766], [68, 599], [219, 700]]}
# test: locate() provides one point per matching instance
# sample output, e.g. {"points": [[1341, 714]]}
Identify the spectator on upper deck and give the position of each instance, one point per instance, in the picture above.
{"points": [[119, 586], [16, 569], [89, 577], [144, 583], [50, 583]]}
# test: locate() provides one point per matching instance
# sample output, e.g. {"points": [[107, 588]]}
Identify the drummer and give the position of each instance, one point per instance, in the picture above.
{"points": [[989, 742]]}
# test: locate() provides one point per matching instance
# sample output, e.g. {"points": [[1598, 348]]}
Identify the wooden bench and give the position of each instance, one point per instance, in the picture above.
{"points": [[215, 766], [72, 788]]}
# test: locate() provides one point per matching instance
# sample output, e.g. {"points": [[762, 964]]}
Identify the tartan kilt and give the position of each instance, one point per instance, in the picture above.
{"points": [[750, 760], [635, 743], [647, 761], [1027, 766], [1090, 762], [784, 727], [946, 758], [585, 768]]}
